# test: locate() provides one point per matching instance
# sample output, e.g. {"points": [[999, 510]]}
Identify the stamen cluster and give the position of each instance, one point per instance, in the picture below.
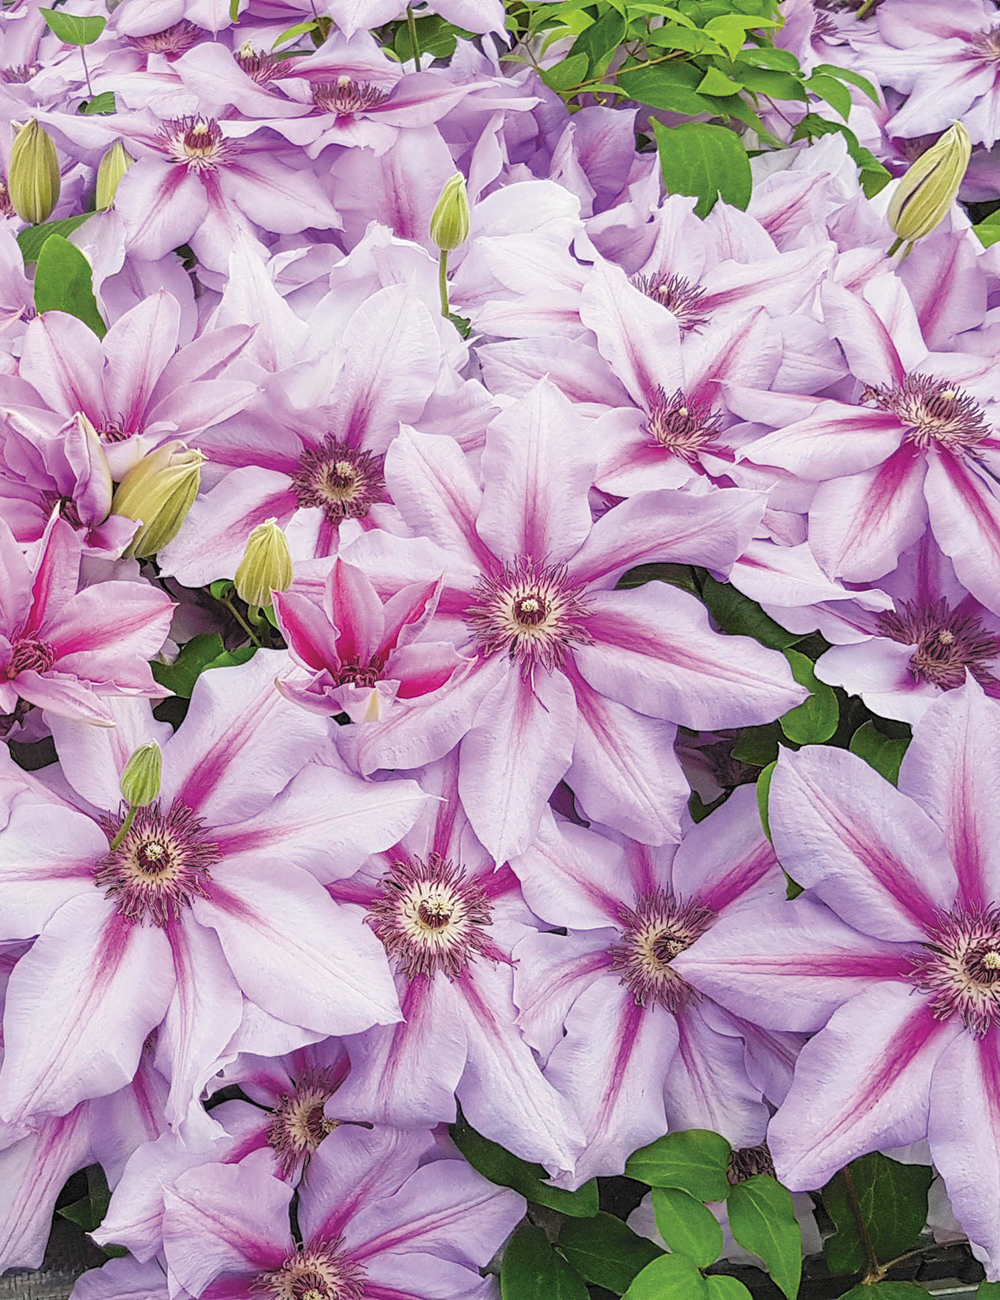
{"points": [[679, 295], [949, 643], [933, 411], [657, 930], [960, 968], [198, 143], [531, 612], [345, 96], [344, 482], [299, 1122], [682, 425], [320, 1273]]}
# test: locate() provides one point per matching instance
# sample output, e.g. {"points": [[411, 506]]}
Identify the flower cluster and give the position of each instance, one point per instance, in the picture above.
{"points": [[380, 515]]}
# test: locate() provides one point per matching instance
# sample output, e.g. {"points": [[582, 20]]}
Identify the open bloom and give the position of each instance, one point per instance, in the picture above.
{"points": [[571, 677], [199, 900], [620, 1032], [891, 958]]}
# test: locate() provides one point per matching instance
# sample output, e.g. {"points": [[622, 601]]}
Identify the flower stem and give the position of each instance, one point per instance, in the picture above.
{"points": [[241, 620], [86, 71], [443, 283], [411, 25], [866, 9], [874, 1272], [124, 829]]}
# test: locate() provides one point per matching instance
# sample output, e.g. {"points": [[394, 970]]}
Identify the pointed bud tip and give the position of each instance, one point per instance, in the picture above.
{"points": [[266, 566], [33, 181], [140, 782], [451, 218], [159, 492], [924, 195]]}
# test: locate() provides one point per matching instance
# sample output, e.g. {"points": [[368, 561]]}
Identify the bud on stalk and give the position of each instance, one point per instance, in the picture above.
{"points": [[266, 566], [450, 223], [33, 181], [159, 492], [114, 165], [926, 192], [140, 783]]}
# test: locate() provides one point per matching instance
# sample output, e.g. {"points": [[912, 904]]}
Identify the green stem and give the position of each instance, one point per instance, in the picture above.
{"points": [[895, 248], [874, 1271], [86, 72], [443, 283], [411, 25], [241, 620], [129, 819], [866, 9]]}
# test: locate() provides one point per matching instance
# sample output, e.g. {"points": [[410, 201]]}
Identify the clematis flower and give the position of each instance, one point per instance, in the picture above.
{"points": [[69, 651], [622, 1035], [204, 898], [380, 1216], [918, 445], [890, 958], [572, 678], [448, 919]]}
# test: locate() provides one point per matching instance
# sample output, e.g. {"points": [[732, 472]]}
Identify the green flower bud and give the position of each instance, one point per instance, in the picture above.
{"points": [[266, 565], [140, 783], [114, 165], [159, 492], [450, 219], [926, 192], [33, 181]]}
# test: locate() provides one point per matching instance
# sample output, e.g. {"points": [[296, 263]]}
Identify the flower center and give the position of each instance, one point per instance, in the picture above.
{"points": [[326, 1273], [345, 96], [342, 481], [932, 410], [948, 643], [6, 207], [299, 1123], [29, 655], [659, 928], [960, 968], [680, 297], [986, 45], [433, 919], [67, 507], [161, 863], [19, 73], [353, 673], [530, 611], [682, 426], [747, 1162], [198, 143], [172, 40], [258, 66]]}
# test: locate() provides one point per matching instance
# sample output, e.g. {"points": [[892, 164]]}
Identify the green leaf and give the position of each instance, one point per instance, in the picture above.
{"points": [[687, 1226], [988, 1291], [730, 30], [883, 753], [671, 1277], [90, 1210], [893, 1202], [101, 104], [31, 239], [194, 658], [293, 33], [435, 36], [726, 1288], [668, 86], [715, 82], [740, 616], [64, 282], [221, 588], [691, 39], [988, 234], [814, 720], [770, 56], [758, 745], [678, 575], [762, 1219], [601, 40], [231, 658], [693, 1159], [568, 73], [847, 74], [771, 82], [832, 91], [763, 794], [72, 29], [606, 1251], [708, 161], [499, 1166], [531, 1269], [887, 1291], [874, 176]]}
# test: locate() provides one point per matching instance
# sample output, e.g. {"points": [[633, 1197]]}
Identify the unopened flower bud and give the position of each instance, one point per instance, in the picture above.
{"points": [[159, 492], [266, 565], [926, 192], [140, 783], [33, 180], [114, 165], [450, 219]]}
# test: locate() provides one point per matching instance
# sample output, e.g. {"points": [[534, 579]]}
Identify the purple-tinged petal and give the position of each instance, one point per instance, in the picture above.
{"points": [[433, 486], [122, 1279], [965, 519], [306, 629], [571, 876], [63, 360], [226, 1219], [279, 198], [353, 607], [835, 440], [241, 741], [869, 346], [625, 772], [57, 576], [726, 859], [707, 1085], [789, 965], [861, 1085], [668, 525], [536, 477], [655, 651], [863, 847], [32, 1173], [107, 632], [551, 971], [952, 770], [137, 347], [80, 1005], [59, 693], [295, 952], [513, 758], [93, 759], [964, 1133], [161, 205]]}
